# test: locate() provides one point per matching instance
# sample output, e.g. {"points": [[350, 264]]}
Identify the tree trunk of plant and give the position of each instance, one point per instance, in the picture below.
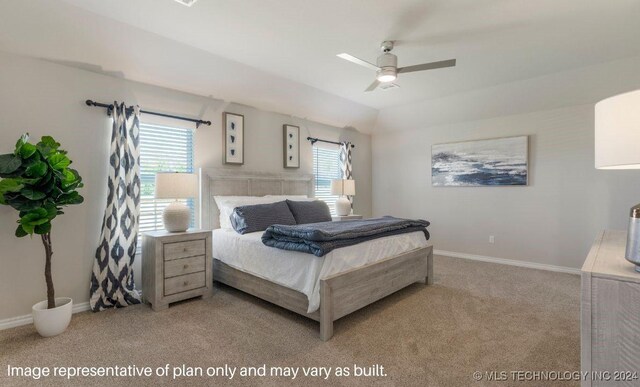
{"points": [[51, 299]]}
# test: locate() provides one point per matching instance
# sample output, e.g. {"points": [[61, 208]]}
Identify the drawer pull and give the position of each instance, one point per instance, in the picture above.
{"points": [[186, 283], [185, 267]]}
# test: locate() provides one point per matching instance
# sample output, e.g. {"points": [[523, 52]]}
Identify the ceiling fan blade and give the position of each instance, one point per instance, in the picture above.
{"points": [[358, 61], [428, 66], [373, 86]]}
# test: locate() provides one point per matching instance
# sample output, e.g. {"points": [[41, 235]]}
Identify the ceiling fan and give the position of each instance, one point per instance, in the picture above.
{"points": [[387, 69]]}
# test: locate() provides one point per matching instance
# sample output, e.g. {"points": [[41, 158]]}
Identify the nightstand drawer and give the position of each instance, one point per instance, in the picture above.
{"points": [[184, 266], [184, 282], [179, 250]]}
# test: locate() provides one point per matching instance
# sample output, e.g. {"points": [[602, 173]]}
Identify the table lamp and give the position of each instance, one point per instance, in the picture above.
{"points": [[617, 146], [343, 187], [176, 216]]}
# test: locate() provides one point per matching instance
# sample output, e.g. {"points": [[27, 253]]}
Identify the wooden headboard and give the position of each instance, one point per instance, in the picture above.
{"points": [[214, 182]]}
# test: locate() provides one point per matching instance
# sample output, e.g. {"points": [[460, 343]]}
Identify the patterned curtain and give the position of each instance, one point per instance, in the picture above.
{"points": [[112, 278], [345, 164]]}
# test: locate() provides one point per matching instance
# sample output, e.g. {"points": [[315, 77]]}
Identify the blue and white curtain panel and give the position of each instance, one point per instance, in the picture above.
{"points": [[345, 164], [112, 284]]}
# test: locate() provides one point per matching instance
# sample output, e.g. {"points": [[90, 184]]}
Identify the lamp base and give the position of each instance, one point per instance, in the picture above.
{"points": [[632, 253], [176, 217], [343, 206]]}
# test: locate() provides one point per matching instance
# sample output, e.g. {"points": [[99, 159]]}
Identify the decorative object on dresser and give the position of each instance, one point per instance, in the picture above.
{"points": [[176, 216], [617, 135], [346, 217], [610, 326], [175, 267], [291, 143], [343, 188], [36, 181], [233, 138], [492, 162]]}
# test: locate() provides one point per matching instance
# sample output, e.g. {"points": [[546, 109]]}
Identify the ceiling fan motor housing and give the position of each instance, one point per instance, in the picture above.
{"points": [[387, 60]]}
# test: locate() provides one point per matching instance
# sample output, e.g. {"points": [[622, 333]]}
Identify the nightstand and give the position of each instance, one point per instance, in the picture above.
{"points": [[346, 217], [176, 266]]}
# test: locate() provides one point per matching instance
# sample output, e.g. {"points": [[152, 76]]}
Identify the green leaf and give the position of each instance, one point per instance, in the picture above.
{"points": [[70, 198], [8, 164], [10, 185], [27, 150], [47, 145], [50, 142], [46, 184], [28, 229], [36, 213], [32, 194], [72, 180], [20, 203], [52, 212], [43, 228], [59, 161], [20, 232], [35, 217], [37, 169], [23, 140]]}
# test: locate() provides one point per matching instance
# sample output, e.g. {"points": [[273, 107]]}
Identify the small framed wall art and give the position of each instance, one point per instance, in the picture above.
{"points": [[233, 138], [291, 142]]}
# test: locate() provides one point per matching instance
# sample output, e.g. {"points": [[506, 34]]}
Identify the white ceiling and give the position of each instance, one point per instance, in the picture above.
{"points": [[495, 41], [280, 54]]}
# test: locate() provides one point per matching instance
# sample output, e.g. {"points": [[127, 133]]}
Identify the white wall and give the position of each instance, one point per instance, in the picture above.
{"points": [[48, 99], [552, 221]]}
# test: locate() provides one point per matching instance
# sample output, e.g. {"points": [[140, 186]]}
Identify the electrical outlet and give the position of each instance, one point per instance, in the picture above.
{"points": [[492, 239]]}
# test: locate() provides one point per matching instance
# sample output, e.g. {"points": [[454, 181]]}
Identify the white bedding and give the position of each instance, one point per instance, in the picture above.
{"points": [[301, 271]]}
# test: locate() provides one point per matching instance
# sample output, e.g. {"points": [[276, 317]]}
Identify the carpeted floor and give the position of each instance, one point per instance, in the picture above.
{"points": [[476, 317]]}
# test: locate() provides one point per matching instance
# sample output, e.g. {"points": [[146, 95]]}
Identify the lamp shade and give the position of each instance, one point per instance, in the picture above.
{"points": [[176, 185], [343, 187], [617, 136]]}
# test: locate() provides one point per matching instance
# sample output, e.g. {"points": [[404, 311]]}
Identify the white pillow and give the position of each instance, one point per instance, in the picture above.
{"points": [[226, 204]]}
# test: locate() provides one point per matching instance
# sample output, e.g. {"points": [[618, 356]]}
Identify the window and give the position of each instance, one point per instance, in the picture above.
{"points": [[162, 149], [326, 165]]}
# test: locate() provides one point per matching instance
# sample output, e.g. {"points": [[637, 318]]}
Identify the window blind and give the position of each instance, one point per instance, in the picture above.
{"points": [[162, 149], [326, 165]]}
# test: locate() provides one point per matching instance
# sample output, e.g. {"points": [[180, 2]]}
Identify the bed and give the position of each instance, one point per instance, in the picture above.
{"points": [[321, 288]]}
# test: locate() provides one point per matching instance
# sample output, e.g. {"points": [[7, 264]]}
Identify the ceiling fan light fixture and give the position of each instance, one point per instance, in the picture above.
{"points": [[387, 75]]}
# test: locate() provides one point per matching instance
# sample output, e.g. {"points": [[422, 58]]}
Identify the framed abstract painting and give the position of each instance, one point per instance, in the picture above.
{"points": [[233, 138], [291, 144], [491, 162]]}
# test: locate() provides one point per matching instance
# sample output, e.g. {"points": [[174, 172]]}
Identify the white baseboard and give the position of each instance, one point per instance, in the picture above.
{"points": [[503, 261], [28, 319]]}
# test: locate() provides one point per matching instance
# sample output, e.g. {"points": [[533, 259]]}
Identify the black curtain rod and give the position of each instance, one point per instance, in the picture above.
{"points": [[314, 140], [110, 108]]}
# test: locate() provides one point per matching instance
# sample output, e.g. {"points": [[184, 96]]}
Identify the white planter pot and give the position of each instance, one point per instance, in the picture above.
{"points": [[52, 322]]}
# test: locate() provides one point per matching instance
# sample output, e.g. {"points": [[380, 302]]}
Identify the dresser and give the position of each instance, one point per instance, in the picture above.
{"points": [[176, 266], [610, 321]]}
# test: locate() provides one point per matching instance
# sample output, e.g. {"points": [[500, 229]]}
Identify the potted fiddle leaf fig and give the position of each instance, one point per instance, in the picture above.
{"points": [[37, 182]]}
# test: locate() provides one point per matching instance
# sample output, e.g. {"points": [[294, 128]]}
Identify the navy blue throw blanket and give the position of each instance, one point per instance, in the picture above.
{"points": [[320, 238]]}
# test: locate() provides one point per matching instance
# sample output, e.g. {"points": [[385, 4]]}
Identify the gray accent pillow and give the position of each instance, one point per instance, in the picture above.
{"points": [[310, 212], [258, 217]]}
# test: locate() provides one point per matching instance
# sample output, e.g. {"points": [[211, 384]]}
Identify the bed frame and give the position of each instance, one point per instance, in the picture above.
{"points": [[340, 294]]}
